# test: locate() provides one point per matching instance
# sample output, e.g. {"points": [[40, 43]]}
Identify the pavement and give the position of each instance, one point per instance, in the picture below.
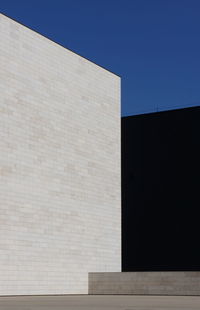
{"points": [[99, 302]]}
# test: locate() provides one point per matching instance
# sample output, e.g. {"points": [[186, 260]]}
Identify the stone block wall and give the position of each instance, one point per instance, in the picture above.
{"points": [[59, 166]]}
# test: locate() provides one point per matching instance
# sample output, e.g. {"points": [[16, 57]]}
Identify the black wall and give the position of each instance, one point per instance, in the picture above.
{"points": [[160, 191]]}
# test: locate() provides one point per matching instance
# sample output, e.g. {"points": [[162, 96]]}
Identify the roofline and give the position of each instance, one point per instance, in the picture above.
{"points": [[15, 20], [159, 112]]}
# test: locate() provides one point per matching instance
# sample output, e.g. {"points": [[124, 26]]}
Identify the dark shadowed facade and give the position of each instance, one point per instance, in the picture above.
{"points": [[160, 191]]}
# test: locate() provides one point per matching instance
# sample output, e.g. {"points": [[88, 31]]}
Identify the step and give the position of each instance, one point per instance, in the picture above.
{"points": [[145, 283]]}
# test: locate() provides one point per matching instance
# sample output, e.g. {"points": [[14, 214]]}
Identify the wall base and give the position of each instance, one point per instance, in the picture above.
{"points": [[145, 283]]}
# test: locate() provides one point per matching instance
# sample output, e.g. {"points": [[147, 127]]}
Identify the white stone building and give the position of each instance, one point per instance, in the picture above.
{"points": [[60, 191]]}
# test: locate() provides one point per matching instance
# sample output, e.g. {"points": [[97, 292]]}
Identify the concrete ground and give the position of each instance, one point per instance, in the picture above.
{"points": [[85, 302]]}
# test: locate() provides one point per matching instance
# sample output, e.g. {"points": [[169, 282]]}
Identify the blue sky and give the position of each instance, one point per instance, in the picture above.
{"points": [[154, 45]]}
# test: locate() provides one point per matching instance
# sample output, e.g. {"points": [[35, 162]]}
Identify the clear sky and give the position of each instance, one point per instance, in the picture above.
{"points": [[154, 45]]}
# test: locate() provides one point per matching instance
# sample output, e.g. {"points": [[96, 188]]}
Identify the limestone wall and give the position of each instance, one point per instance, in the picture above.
{"points": [[59, 166]]}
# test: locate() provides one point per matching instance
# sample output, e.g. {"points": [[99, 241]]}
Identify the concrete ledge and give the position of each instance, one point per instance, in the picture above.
{"points": [[145, 283]]}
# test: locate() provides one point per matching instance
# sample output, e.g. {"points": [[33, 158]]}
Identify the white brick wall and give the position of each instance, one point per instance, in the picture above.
{"points": [[59, 166]]}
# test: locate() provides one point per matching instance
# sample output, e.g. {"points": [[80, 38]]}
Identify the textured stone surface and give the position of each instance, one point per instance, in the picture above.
{"points": [[145, 283], [100, 303], [59, 166]]}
